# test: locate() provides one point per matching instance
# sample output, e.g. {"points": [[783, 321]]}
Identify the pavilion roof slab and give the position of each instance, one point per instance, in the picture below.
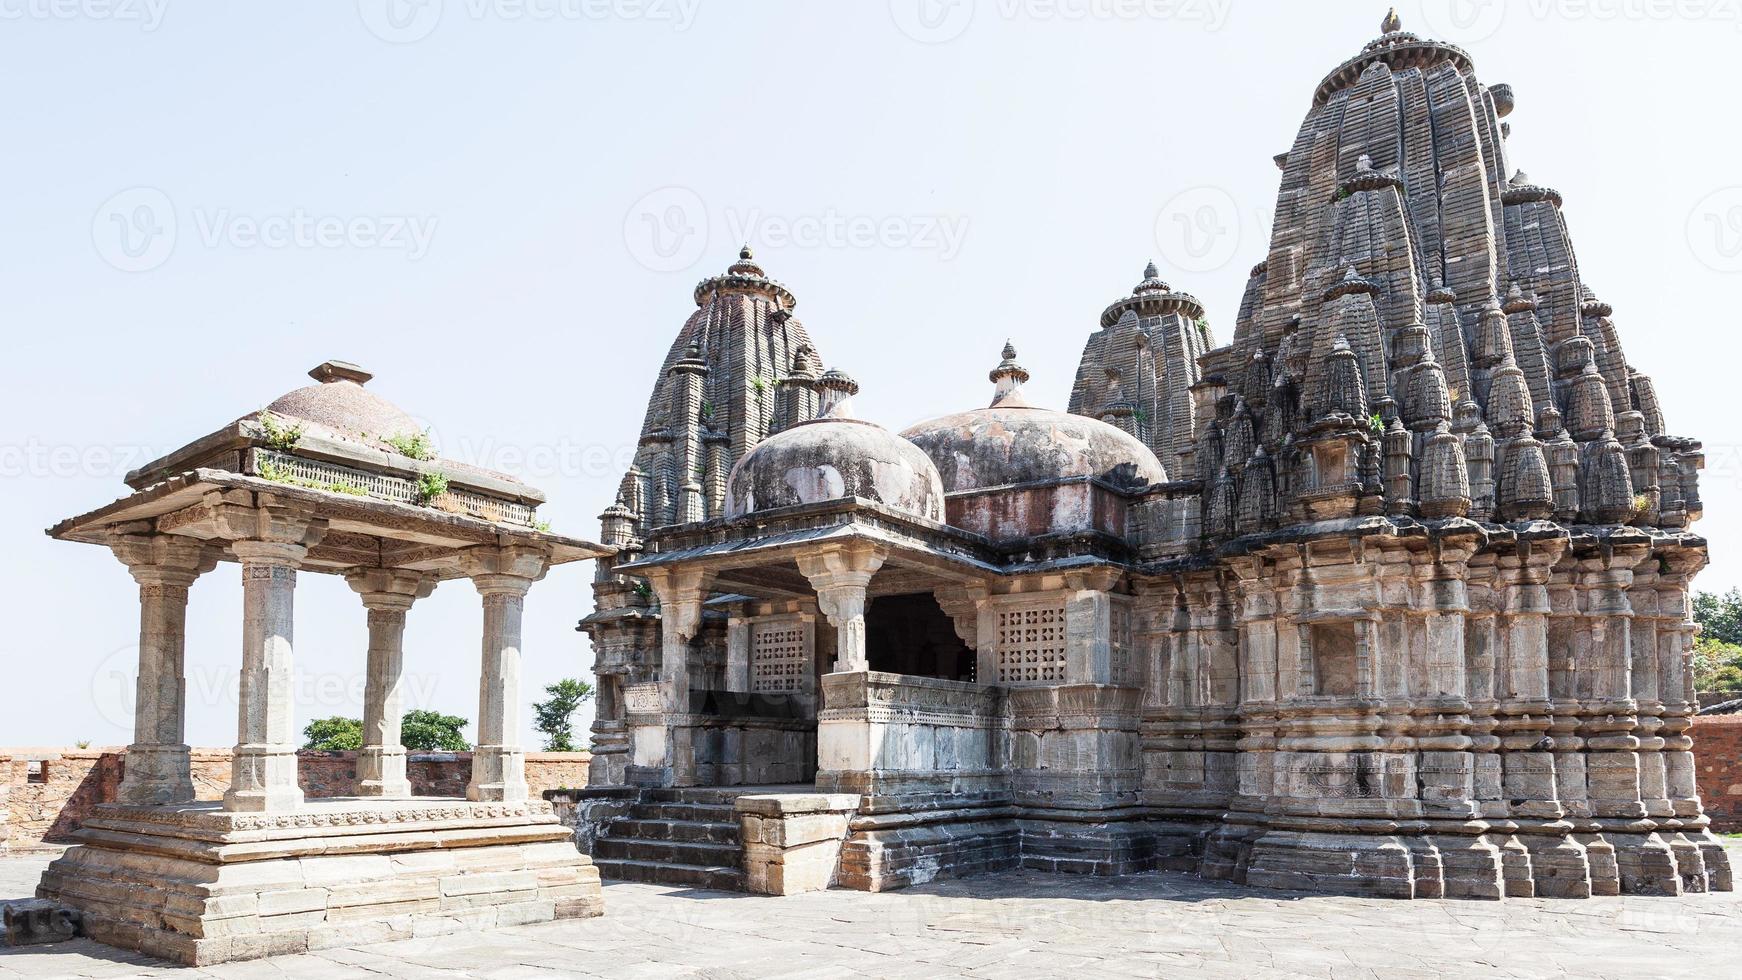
{"points": [[361, 531]]}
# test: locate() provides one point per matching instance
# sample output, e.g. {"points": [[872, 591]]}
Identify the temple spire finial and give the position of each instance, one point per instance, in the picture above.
{"points": [[1007, 379], [1392, 23]]}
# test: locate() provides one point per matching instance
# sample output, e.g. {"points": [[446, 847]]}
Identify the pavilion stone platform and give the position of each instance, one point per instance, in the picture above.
{"points": [[199, 885], [330, 479]]}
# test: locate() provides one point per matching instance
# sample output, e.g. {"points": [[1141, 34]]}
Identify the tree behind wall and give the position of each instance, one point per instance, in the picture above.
{"points": [[420, 731], [1718, 650], [555, 715]]}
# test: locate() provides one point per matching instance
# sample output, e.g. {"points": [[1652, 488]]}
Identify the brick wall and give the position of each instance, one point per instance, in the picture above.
{"points": [[1718, 768], [44, 811]]}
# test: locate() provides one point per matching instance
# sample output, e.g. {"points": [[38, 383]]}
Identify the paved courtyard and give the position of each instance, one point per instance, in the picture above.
{"points": [[1014, 925]]}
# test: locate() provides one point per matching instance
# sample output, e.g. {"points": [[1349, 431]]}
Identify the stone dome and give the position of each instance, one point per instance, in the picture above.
{"points": [[835, 457], [341, 404], [1013, 442]]}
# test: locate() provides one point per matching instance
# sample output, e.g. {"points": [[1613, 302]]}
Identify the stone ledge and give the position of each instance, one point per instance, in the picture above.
{"points": [[792, 841]]}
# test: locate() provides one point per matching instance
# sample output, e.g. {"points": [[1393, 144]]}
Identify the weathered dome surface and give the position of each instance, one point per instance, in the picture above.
{"points": [[1013, 442], [1003, 445], [833, 458], [341, 403]]}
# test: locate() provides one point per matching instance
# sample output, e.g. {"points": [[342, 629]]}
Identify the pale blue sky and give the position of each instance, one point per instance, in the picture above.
{"points": [[462, 196]]}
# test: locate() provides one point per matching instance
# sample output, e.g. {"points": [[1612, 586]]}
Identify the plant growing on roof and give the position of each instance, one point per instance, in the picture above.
{"points": [[416, 445], [430, 486], [279, 436]]}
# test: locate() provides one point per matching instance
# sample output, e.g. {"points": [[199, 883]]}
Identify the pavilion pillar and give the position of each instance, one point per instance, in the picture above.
{"points": [[680, 617], [157, 768], [841, 576], [502, 575], [388, 595], [263, 771]]}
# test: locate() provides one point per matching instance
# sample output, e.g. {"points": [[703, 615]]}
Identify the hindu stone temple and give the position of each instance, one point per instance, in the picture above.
{"points": [[328, 479], [1388, 594]]}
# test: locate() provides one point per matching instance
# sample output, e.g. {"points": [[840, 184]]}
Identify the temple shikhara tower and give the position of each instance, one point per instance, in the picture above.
{"points": [[1386, 595]]}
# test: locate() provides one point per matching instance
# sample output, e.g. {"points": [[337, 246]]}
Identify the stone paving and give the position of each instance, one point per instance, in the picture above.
{"points": [[1014, 925]]}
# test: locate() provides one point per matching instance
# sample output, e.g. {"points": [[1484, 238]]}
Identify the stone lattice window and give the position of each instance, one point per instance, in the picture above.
{"points": [[779, 659], [1126, 668], [1031, 645]]}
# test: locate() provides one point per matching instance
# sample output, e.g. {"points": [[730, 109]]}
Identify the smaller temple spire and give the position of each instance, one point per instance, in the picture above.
{"points": [[838, 389], [1008, 378]]}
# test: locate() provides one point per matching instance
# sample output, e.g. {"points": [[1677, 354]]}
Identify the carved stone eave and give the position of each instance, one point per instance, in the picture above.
{"points": [[361, 531]]}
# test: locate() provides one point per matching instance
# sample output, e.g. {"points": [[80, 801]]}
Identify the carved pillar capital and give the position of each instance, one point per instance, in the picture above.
{"points": [[841, 574], [505, 569], [681, 592], [164, 559], [391, 589]]}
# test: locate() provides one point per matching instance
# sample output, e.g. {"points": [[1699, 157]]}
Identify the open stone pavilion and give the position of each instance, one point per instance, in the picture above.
{"points": [[320, 481]]}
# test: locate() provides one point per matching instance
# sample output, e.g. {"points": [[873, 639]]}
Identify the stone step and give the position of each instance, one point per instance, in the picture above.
{"points": [[714, 795], [692, 812], [679, 830], [613, 847], [661, 873]]}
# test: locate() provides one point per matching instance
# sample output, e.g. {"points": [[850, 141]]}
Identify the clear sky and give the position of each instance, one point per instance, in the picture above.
{"points": [[500, 207]]}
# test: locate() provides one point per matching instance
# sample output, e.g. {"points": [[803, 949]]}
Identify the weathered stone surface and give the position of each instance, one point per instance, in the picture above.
{"points": [[183, 884], [1387, 595], [35, 922]]}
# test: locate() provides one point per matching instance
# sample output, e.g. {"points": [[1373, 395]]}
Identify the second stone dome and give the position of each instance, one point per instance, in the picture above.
{"points": [[834, 457], [1012, 442]]}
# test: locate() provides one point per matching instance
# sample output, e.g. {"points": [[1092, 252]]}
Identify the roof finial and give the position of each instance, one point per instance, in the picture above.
{"points": [[838, 389], [1008, 378], [745, 253], [330, 371], [1150, 271], [1392, 23]]}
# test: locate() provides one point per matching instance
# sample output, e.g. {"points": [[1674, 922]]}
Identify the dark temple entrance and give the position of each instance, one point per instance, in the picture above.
{"points": [[911, 634]]}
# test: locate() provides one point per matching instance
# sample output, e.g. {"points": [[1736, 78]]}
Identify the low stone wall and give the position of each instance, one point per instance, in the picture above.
{"points": [[1718, 769], [45, 806]]}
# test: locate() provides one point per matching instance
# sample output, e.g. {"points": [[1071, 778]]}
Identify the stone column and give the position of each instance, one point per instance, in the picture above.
{"points": [[841, 575], [157, 769], [680, 616], [388, 595], [738, 652], [1088, 626], [263, 772], [502, 576]]}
